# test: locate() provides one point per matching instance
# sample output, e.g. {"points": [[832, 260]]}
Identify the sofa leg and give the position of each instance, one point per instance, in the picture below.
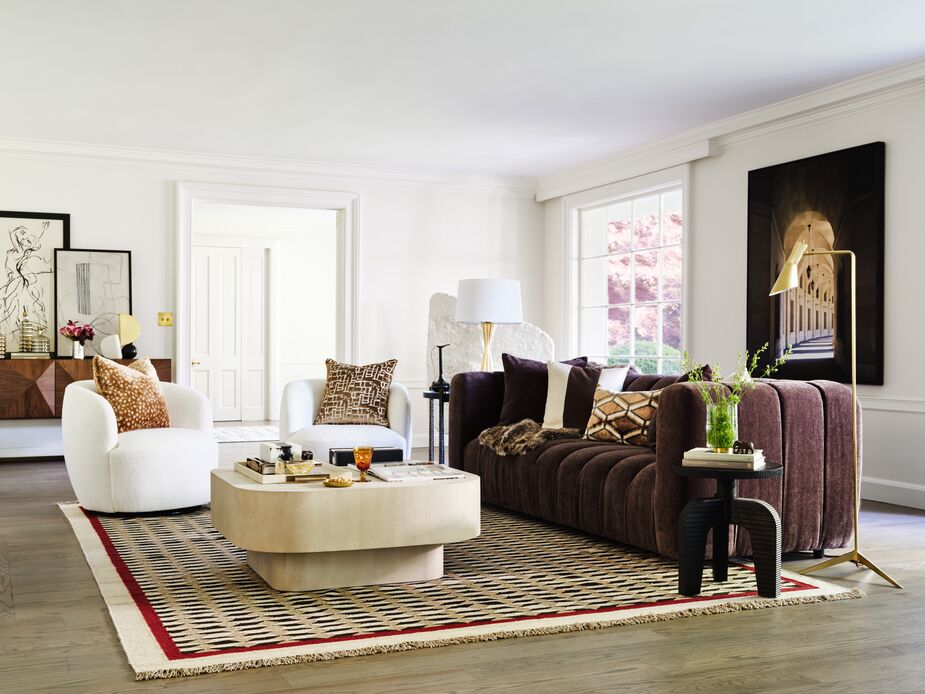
{"points": [[818, 553]]}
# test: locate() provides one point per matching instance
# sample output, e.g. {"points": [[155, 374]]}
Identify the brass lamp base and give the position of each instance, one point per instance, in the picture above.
{"points": [[858, 559], [488, 330]]}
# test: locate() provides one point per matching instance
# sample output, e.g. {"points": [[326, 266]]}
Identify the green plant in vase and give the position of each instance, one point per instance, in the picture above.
{"points": [[722, 394]]}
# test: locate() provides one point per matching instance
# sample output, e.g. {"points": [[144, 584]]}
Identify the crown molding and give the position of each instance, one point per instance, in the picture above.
{"points": [[635, 162], [863, 93], [316, 171]]}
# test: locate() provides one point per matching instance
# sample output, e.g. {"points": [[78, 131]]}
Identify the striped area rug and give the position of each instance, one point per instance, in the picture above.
{"points": [[184, 601]]}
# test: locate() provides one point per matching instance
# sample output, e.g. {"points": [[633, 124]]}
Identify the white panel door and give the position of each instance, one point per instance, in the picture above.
{"points": [[217, 349], [254, 374]]}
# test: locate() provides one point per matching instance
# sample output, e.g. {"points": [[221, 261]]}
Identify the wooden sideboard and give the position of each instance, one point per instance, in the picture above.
{"points": [[34, 388]]}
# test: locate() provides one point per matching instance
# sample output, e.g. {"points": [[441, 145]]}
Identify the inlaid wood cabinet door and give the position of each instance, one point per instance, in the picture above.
{"points": [[34, 388]]}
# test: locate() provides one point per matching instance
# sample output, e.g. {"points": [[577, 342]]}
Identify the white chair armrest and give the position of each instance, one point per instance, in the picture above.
{"points": [[188, 408], [89, 433], [300, 403], [399, 414]]}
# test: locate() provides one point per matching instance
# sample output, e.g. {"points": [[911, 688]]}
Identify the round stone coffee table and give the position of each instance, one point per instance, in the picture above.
{"points": [[305, 536]]}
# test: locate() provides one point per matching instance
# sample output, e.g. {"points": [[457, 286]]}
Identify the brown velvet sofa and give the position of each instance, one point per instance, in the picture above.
{"points": [[632, 495]]}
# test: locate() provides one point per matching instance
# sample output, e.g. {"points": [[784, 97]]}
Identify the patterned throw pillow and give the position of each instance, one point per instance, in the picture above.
{"points": [[356, 394], [622, 417], [134, 393]]}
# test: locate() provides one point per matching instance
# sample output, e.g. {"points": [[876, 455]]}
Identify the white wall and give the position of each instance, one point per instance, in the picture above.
{"points": [[417, 235], [307, 265], [894, 414]]}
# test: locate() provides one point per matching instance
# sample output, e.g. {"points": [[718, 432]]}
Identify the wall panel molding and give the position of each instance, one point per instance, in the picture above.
{"points": [[909, 405]]}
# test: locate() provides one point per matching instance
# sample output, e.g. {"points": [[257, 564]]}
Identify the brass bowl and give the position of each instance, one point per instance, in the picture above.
{"points": [[337, 482]]}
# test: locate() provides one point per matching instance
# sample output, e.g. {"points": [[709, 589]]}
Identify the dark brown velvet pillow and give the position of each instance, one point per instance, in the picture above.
{"points": [[683, 378], [525, 385]]}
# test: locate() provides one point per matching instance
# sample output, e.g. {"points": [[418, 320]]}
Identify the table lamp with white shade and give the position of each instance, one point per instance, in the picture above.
{"points": [[488, 302]]}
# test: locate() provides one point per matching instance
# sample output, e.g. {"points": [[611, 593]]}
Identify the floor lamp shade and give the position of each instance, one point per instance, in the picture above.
{"points": [[488, 302]]}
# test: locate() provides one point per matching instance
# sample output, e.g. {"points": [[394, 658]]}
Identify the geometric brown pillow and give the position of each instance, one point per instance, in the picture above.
{"points": [[134, 393], [356, 394], [622, 417]]}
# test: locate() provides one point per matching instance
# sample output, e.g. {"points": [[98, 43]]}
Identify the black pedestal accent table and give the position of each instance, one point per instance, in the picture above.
{"points": [[759, 518], [437, 400]]}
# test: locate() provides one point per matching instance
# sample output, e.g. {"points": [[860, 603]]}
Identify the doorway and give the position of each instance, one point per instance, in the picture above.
{"points": [[231, 326], [268, 290]]}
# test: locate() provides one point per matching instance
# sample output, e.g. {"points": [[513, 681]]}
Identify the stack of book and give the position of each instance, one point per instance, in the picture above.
{"points": [[265, 472], [705, 457]]}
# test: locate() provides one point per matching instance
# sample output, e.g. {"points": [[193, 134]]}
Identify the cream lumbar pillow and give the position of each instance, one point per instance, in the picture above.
{"points": [[356, 394], [134, 392]]}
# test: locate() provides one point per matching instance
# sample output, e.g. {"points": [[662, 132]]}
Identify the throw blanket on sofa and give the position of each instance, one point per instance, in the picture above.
{"points": [[525, 435]]}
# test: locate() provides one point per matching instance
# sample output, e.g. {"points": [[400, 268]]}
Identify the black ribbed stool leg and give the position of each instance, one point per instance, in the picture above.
{"points": [[696, 520], [763, 525]]}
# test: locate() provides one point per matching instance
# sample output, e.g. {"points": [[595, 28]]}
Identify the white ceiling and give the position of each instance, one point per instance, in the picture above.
{"points": [[519, 87]]}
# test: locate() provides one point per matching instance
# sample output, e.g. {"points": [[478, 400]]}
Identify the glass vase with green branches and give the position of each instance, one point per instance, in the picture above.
{"points": [[722, 394]]}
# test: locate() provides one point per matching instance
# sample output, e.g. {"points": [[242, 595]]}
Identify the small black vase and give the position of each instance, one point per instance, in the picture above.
{"points": [[129, 351]]}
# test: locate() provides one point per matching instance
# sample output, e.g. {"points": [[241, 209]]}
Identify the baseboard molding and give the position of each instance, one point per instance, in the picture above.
{"points": [[9, 455], [893, 492], [420, 440]]}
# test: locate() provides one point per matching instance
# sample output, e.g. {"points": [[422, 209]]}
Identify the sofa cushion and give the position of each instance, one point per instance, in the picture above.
{"points": [[134, 393], [622, 417], [525, 385], [356, 394], [569, 395]]}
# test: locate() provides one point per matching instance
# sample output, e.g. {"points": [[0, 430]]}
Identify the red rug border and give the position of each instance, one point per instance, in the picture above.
{"points": [[172, 652]]}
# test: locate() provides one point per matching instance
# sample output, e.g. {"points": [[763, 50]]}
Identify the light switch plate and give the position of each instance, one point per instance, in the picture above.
{"points": [[165, 319]]}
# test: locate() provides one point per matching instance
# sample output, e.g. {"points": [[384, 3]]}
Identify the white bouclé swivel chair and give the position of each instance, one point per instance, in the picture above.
{"points": [[301, 401], [138, 471]]}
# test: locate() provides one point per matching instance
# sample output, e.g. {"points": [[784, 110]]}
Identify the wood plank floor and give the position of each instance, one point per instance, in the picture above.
{"points": [[55, 632]]}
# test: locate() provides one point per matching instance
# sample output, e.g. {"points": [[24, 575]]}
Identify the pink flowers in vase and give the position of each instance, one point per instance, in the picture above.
{"points": [[77, 333]]}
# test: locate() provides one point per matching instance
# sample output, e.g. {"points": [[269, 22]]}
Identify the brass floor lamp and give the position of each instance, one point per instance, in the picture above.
{"points": [[790, 279]]}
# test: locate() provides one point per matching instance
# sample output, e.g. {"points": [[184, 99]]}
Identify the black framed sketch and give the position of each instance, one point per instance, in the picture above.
{"points": [[832, 201], [92, 286], [28, 241]]}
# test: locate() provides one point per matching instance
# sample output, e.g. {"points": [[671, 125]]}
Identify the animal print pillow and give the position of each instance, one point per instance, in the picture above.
{"points": [[133, 391]]}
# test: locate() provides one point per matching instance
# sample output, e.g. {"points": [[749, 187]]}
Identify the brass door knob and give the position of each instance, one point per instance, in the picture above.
{"points": [[195, 363]]}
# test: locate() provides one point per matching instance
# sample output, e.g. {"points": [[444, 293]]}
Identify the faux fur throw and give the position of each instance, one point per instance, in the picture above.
{"points": [[525, 435]]}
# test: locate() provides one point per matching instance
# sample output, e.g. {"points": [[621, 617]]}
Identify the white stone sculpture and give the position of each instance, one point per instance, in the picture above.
{"points": [[465, 340]]}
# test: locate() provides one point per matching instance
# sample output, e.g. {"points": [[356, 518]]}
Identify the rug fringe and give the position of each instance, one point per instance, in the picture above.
{"points": [[759, 604]]}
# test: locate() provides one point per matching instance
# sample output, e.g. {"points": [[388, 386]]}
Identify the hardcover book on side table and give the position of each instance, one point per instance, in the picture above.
{"points": [[706, 458]]}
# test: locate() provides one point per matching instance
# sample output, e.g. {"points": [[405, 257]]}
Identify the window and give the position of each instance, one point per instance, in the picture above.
{"points": [[630, 280]]}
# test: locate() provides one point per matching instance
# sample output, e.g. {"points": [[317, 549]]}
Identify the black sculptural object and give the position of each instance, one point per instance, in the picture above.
{"points": [[440, 385]]}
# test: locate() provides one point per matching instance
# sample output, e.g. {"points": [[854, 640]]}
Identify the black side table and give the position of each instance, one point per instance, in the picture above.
{"points": [[759, 518], [437, 400]]}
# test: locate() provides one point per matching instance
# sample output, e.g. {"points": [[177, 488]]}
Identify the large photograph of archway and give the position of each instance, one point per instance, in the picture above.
{"points": [[832, 201]]}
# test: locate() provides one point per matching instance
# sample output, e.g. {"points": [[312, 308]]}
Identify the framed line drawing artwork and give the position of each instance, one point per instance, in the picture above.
{"points": [[28, 242], [92, 286]]}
